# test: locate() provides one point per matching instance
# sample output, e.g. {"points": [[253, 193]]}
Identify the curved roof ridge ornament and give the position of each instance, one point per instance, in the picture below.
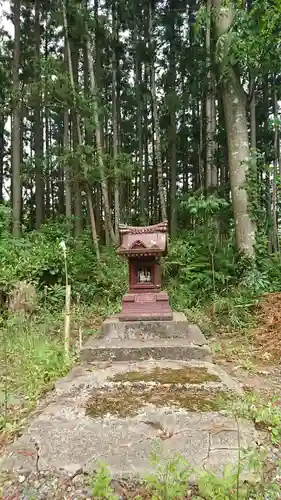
{"points": [[146, 240], [155, 228]]}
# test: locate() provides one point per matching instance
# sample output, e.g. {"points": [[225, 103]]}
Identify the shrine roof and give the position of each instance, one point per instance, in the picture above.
{"points": [[149, 240]]}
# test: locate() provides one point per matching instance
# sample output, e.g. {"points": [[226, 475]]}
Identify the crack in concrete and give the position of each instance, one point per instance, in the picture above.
{"points": [[224, 430], [208, 452], [164, 432]]}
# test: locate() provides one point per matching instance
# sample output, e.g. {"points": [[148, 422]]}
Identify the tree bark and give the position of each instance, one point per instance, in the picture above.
{"points": [[238, 141], [67, 174], [275, 172], [99, 143], [38, 127], [253, 125], [79, 134], [73, 57], [209, 158], [115, 120], [16, 128], [172, 135], [2, 152], [138, 84], [158, 156]]}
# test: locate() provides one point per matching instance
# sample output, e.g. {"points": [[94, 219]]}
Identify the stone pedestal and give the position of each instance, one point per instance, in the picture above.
{"points": [[120, 340], [146, 306]]}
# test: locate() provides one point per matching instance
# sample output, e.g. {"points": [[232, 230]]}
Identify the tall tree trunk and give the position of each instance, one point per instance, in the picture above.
{"points": [[275, 170], [209, 158], [47, 155], [158, 156], [73, 57], [16, 129], [253, 125], [154, 183], [267, 159], [138, 85], [38, 126], [140, 182], [237, 137], [79, 133], [98, 80], [67, 173], [115, 118], [146, 131], [100, 156], [172, 135], [2, 152], [93, 222], [214, 174]]}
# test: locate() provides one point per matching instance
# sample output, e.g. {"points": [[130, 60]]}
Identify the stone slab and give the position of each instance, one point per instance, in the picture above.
{"points": [[69, 440], [179, 327], [83, 379], [146, 306], [131, 350]]}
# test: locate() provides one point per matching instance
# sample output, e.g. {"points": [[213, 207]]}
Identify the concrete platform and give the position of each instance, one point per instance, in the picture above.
{"points": [[178, 327], [133, 350], [71, 438], [141, 340]]}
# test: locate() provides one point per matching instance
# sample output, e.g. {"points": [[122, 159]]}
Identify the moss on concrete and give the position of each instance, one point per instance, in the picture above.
{"points": [[127, 401], [185, 375]]}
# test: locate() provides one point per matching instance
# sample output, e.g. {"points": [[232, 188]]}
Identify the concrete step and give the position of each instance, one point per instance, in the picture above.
{"points": [[134, 350], [178, 327]]}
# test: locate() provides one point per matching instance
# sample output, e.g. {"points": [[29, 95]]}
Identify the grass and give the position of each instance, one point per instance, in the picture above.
{"points": [[32, 358], [171, 475]]}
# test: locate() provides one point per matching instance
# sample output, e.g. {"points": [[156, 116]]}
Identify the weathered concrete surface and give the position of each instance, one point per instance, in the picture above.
{"points": [[68, 439], [87, 377], [119, 350], [141, 340], [178, 327]]}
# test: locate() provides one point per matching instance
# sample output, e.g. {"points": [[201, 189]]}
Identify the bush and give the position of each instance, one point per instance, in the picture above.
{"points": [[37, 257], [201, 267]]}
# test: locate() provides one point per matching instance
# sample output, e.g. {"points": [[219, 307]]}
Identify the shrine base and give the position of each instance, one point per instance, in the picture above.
{"points": [[145, 330], [146, 306], [139, 340]]}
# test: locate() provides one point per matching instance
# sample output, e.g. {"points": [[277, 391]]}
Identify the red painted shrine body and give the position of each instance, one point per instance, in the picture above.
{"points": [[143, 246]]}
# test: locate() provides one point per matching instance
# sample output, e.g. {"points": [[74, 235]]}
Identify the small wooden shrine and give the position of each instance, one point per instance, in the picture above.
{"points": [[143, 247]]}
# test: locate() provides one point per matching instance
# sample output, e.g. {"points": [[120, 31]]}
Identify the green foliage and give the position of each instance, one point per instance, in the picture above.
{"points": [[5, 219], [200, 261], [220, 488], [195, 269], [201, 266], [101, 484], [171, 477], [257, 36], [230, 485], [38, 258], [235, 311], [265, 414], [32, 358]]}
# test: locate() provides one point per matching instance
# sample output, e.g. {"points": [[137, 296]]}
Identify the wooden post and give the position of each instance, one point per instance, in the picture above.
{"points": [[67, 320]]}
